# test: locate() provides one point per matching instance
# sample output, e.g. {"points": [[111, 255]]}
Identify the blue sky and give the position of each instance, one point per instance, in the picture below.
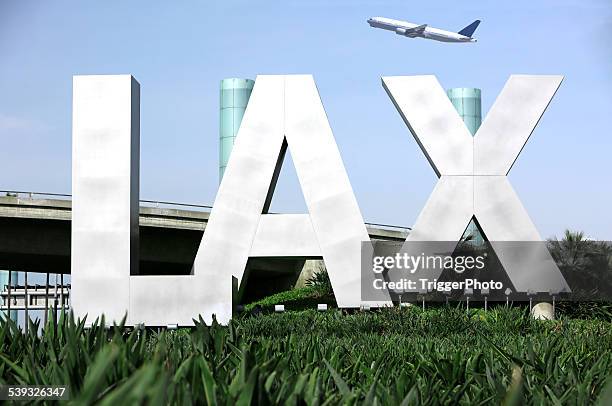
{"points": [[179, 52]]}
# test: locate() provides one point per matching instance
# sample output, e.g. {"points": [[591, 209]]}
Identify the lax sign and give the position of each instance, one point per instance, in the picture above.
{"points": [[285, 112]]}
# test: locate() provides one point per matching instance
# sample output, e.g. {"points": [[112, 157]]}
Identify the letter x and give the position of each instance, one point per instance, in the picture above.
{"points": [[473, 171]]}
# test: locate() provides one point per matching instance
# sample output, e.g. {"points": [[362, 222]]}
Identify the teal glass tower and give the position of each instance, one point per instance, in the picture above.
{"points": [[468, 104], [234, 97]]}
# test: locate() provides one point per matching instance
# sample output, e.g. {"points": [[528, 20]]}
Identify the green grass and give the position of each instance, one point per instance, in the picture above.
{"points": [[391, 356], [295, 299]]}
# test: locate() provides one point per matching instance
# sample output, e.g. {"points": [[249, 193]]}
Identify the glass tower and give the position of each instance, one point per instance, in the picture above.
{"points": [[468, 104], [234, 96]]}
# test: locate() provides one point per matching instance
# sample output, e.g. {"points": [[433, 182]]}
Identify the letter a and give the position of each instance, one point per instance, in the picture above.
{"points": [[285, 112]]}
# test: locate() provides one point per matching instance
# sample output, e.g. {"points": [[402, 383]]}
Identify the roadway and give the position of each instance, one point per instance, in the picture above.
{"points": [[35, 234]]}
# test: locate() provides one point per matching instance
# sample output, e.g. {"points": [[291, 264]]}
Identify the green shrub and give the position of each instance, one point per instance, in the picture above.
{"points": [[586, 310], [320, 280]]}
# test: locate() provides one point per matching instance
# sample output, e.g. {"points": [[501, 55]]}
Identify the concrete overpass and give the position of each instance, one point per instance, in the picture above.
{"points": [[35, 235]]}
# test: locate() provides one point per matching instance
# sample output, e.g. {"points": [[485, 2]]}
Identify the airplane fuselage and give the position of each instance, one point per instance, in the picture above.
{"points": [[403, 28]]}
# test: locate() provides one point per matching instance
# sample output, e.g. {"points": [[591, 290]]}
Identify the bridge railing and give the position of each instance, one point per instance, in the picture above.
{"points": [[155, 203]]}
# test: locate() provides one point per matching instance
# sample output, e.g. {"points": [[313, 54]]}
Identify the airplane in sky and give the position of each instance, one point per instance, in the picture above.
{"points": [[424, 31]]}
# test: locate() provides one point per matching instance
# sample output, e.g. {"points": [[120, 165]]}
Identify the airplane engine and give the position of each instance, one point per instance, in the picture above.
{"points": [[400, 31]]}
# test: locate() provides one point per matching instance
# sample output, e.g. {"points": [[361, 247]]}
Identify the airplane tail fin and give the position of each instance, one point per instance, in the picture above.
{"points": [[469, 30]]}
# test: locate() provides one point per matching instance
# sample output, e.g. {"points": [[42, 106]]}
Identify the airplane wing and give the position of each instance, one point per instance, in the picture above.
{"points": [[413, 32]]}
